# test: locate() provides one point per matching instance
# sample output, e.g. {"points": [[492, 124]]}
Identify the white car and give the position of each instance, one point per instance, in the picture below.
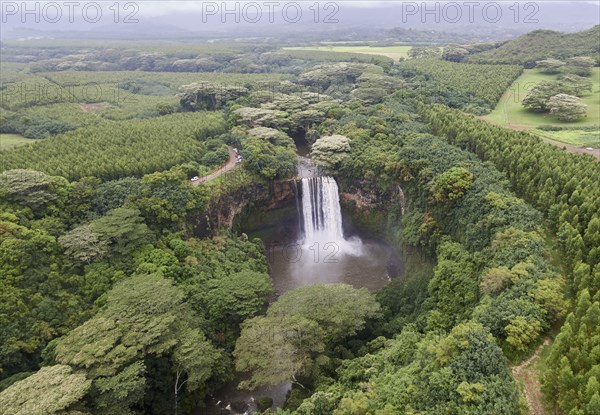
{"points": [[195, 178], [589, 149]]}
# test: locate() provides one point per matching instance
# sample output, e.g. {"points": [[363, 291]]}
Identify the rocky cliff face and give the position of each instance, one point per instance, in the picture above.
{"points": [[367, 210], [357, 199], [221, 212], [354, 197]]}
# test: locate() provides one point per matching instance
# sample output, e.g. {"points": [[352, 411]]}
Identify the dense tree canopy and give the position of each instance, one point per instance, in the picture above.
{"points": [[121, 293], [269, 152], [145, 317], [461, 372], [52, 390], [330, 150], [298, 328]]}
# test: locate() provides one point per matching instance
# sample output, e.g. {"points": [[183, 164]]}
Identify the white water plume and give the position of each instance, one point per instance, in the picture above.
{"points": [[322, 216]]}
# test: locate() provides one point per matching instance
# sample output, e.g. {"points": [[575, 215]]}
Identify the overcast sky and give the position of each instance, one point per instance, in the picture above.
{"points": [[161, 7], [160, 16]]}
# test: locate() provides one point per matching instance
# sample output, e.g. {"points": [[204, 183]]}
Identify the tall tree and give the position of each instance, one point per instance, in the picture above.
{"points": [[145, 317], [83, 244], [53, 390], [289, 341], [123, 229], [567, 107], [277, 349], [330, 151]]}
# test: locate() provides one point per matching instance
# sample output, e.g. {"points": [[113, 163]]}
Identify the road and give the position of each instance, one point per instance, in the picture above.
{"points": [[574, 149], [526, 374], [231, 163]]}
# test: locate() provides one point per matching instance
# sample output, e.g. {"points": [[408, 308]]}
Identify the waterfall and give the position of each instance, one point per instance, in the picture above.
{"points": [[321, 213], [297, 199]]}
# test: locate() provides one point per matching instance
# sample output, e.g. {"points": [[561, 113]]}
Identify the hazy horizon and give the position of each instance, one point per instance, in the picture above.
{"points": [[181, 19]]}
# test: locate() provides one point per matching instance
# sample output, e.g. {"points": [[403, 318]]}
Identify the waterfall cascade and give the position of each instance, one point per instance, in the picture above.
{"points": [[321, 213]]}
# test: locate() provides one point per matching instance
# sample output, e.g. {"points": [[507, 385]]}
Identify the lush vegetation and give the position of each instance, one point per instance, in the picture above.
{"points": [[569, 199], [541, 44], [12, 140], [307, 325], [124, 290], [466, 80], [425, 373], [73, 254], [492, 274], [114, 149]]}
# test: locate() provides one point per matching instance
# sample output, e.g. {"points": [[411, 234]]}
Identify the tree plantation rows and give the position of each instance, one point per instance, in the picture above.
{"points": [[469, 79], [114, 149], [567, 195], [126, 288], [569, 198]]}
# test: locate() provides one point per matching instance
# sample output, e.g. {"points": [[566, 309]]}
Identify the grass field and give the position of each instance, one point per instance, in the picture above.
{"points": [[13, 140], [510, 113], [577, 138], [394, 52]]}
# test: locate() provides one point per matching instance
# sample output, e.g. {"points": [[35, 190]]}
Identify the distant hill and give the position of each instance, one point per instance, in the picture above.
{"points": [[542, 44]]}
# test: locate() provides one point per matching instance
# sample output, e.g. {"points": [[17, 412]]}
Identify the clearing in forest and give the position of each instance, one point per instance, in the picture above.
{"points": [[510, 113], [394, 52], [13, 140]]}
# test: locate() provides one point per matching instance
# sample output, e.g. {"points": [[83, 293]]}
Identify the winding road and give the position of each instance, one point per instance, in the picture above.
{"points": [[231, 164]]}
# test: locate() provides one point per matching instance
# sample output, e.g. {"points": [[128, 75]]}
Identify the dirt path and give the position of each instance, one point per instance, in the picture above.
{"points": [[231, 163], [525, 374], [93, 107], [573, 149]]}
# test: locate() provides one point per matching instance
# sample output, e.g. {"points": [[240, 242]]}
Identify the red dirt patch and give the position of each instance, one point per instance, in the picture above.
{"points": [[525, 373], [93, 107]]}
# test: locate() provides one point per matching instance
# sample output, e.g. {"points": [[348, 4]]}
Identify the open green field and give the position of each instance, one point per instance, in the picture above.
{"points": [[577, 138], [394, 52], [13, 140], [510, 113]]}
